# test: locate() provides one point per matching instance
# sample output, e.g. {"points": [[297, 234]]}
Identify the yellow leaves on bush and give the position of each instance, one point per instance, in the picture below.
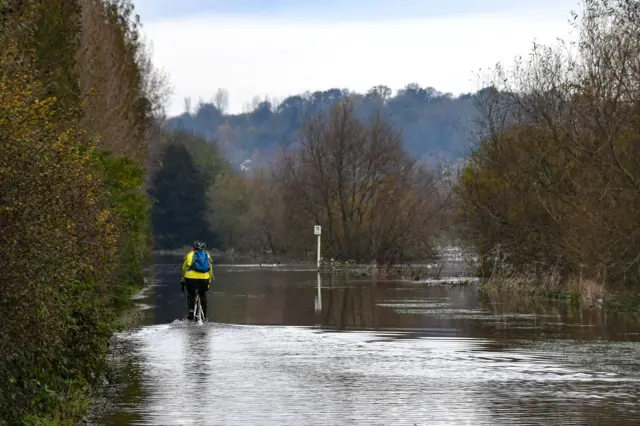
{"points": [[41, 167], [72, 223], [53, 231], [468, 176]]}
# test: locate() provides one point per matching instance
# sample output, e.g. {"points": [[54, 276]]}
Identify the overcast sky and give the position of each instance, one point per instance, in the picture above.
{"points": [[285, 47]]}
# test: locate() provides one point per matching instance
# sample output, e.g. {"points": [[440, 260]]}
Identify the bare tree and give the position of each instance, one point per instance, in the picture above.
{"points": [[221, 100], [555, 179], [354, 178], [255, 102], [274, 101]]}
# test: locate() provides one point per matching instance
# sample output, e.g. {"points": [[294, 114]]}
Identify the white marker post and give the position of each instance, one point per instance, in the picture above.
{"points": [[318, 303], [317, 230]]}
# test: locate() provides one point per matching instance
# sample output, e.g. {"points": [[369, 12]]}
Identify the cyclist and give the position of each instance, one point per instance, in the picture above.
{"points": [[197, 274]]}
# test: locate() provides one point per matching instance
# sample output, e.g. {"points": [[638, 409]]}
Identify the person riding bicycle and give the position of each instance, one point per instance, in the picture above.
{"points": [[197, 274]]}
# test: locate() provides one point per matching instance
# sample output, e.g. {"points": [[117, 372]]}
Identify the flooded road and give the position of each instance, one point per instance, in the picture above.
{"points": [[377, 353]]}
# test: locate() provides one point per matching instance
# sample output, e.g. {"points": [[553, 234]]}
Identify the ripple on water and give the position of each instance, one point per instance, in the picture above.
{"points": [[234, 374]]}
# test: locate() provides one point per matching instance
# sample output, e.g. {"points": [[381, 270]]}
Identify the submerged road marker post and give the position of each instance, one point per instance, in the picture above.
{"points": [[317, 230], [318, 301]]}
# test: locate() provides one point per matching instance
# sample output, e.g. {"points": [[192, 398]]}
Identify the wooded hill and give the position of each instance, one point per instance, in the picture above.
{"points": [[435, 126]]}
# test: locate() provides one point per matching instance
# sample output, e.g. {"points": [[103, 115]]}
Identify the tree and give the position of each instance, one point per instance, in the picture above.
{"points": [[51, 205], [221, 100], [267, 212], [554, 181], [228, 204], [381, 92], [179, 192], [355, 179], [255, 102], [76, 120]]}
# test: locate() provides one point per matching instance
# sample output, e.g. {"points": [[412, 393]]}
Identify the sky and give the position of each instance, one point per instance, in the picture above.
{"points": [[285, 47]]}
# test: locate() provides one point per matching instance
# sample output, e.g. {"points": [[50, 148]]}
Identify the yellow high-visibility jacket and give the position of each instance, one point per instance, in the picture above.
{"points": [[186, 273]]}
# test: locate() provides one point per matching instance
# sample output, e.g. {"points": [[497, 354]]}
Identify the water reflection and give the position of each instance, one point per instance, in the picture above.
{"points": [[196, 352], [384, 353], [318, 299], [349, 306], [290, 376]]}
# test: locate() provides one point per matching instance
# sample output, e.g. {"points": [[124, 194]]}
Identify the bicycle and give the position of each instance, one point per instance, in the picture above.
{"points": [[197, 309]]}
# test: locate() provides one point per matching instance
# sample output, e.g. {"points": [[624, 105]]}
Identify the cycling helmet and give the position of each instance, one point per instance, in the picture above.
{"points": [[199, 245]]}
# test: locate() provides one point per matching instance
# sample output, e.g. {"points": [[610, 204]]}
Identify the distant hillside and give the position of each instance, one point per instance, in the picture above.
{"points": [[434, 124]]}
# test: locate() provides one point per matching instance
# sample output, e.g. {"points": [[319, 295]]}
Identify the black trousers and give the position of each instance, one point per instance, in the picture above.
{"points": [[202, 286]]}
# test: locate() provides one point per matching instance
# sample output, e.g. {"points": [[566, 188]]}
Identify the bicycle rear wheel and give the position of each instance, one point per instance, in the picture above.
{"points": [[200, 316], [197, 309]]}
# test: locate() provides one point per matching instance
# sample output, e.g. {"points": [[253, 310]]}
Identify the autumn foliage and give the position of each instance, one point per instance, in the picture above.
{"points": [[553, 188], [57, 241], [74, 229]]}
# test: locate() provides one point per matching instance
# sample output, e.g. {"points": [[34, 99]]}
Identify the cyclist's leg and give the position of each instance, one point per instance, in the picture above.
{"points": [[202, 287], [191, 296]]}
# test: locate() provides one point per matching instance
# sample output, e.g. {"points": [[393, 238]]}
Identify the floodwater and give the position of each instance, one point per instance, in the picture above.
{"points": [[377, 353]]}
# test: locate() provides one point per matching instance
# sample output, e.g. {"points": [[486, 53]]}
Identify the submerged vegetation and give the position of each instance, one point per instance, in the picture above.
{"points": [[550, 196]]}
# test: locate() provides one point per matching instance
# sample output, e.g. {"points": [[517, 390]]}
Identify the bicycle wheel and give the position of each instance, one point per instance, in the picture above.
{"points": [[195, 307]]}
